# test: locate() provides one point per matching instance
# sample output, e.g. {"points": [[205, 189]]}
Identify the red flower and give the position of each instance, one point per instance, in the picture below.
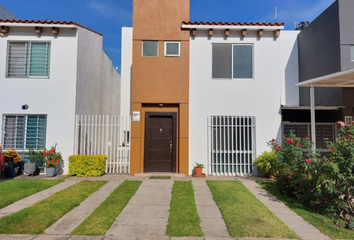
{"points": [[308, 160], [276, 145], [56, 163], [278, 149], [299, 145], [292, 141], [321, 162], [273, 140], [306, 137], [287, 142], [45, 152], [53, 150], [50, 153], [48, 163]]}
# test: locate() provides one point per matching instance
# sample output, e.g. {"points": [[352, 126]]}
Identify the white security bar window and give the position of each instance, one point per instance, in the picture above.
{"points": [[233, 61], [28, 59], [352, 52], [232, 145], [21, 132], [150, 48], [172, 49], [323, 131]]}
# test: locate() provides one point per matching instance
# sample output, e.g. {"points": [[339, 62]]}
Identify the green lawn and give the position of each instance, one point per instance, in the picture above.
{"points": [[244, 214], [184, 219], [16, 189], [323, 223], [40, 216], [103, 217]]}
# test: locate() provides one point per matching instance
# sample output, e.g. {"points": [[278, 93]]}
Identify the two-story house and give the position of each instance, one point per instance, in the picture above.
{"points": [[51, 71]]}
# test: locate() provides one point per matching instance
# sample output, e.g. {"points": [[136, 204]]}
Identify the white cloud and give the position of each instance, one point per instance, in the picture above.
{"points": [[302, 11], [110, 10]]}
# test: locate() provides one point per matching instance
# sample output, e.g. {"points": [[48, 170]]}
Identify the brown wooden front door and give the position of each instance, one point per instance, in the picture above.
{"points": [[160, 142]]}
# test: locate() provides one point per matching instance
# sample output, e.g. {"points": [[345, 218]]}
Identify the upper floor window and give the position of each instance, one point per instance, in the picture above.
{"points": [[150, 48], [232, 61], [172, 49], [28, 59], [352, 52]]}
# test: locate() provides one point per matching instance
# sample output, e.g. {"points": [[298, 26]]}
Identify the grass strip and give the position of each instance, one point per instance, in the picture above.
{"points": [[184, 220], [160, 177], [325, 224], [103, 217], [40, 216], [17, 189], [244, 214]]}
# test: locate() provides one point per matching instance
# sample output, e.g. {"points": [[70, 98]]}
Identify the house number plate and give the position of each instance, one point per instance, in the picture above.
{"points": [[136, 116]]}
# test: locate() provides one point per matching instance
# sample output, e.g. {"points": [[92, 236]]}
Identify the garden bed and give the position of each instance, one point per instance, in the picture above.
{"points": [[325, 224]]}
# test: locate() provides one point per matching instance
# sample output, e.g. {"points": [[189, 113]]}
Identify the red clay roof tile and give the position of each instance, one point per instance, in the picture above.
{"points": [[233, 24], [46, 23]]}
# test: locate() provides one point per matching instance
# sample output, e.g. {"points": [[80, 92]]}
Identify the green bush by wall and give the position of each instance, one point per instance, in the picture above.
{"points": [[87, 166]]}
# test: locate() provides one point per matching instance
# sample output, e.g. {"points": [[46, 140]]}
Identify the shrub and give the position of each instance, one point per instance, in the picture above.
{"points": [[267, 162], [87, 166]]}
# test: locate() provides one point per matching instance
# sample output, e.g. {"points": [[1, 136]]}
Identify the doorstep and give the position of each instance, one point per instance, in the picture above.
{"points": [[164, 174]]}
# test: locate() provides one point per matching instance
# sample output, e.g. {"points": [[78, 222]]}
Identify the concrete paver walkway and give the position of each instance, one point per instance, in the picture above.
{"points": [[212, 222], [32, 199], [147, 212], [74, 218], [296, 223]]}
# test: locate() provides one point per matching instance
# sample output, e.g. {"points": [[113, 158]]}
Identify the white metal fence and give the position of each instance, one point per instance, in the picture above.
{"points": [[231, 145], [105, 135]]}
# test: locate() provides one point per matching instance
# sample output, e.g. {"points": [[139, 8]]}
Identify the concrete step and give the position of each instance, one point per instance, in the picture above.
{"points": [[154, 174]]}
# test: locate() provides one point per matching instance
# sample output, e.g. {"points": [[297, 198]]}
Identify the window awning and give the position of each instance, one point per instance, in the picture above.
{"points": [[339, 79], [309, 107]]}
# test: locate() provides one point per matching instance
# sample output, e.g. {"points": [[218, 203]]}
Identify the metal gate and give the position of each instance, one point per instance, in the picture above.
{"points": [[105, 135], [231, 145]]}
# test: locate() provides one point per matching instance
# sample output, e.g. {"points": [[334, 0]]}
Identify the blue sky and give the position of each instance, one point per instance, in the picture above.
{"points": [[108, 16]]}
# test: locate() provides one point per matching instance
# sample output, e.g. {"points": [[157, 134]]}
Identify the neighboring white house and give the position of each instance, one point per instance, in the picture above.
{"points": [[239, 78], [50, 72]]}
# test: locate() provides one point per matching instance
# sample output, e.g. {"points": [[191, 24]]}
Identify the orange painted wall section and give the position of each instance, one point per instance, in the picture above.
{"points": [[160, 79], [160, 19]]}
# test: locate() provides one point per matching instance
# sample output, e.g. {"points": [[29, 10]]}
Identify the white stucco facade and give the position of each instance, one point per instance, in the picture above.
{"points": [[275, 72], [126, 70], [61, 95]]}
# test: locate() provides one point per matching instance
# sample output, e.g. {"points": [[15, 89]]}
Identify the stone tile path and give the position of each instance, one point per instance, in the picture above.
{"points": [[147, 212], [74, 218], [296, 223], [212, 222], [32, 199]]}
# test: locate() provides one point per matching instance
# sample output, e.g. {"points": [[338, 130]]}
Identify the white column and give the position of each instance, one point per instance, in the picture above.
{"points": [[313, 120]]}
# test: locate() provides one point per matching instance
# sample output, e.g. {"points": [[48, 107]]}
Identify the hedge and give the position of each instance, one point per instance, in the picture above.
{"points": [[87, 166]]}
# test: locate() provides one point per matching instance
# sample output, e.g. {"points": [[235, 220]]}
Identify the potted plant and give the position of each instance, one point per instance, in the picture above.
{"points": [[52, 159], [12, 158], [266, 163], [34, 158], [198, 169], [2, 162]]}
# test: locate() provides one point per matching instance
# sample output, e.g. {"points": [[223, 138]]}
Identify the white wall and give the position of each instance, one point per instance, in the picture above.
{"points": [[55, 96], [290, 68], [260, 97], [126, 70], [98, 82]]}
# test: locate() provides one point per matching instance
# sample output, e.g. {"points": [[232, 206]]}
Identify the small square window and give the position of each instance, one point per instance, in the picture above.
{"points": [[172, 49], [150, 48], [352, 52]]}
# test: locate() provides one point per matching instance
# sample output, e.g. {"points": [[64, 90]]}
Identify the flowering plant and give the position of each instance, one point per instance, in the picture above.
{"points": [[2, 161], [52, 157], [12, 157]]}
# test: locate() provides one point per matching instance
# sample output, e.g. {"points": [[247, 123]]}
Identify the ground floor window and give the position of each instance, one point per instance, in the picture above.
{"points": [[231, 144], [323, 131], [22, 132]]}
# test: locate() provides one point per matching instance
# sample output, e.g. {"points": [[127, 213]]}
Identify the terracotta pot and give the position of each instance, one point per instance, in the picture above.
{"points": [[271, 176], [198, 171]]}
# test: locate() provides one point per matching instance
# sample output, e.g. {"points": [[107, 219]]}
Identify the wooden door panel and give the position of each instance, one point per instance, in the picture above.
{"points": [[160, 133]]}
